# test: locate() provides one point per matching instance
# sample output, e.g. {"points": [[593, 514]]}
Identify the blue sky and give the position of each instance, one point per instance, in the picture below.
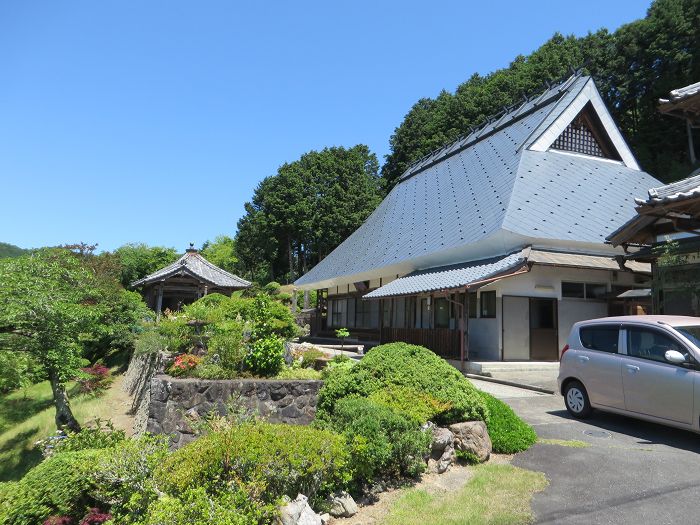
{"points": [[126, 121]]}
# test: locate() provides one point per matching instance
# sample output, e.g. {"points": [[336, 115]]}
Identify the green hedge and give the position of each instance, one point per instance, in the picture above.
{"points": [[57, 486], [509, 434], [382, 442], [410, 366], [261, 460]]}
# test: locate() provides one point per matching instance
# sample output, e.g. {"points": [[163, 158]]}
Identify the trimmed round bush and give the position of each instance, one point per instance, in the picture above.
{"points": [[382, 442], [509, 434], [58, 486], [265, 356], [405, 400], [410, 366], [262, 460]]}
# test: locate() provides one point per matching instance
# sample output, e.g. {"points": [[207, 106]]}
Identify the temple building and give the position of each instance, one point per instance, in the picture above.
{"points": [[491, 247], [186, 280]]}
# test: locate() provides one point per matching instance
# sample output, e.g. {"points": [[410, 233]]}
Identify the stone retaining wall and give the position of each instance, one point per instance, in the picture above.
{"points": [[175, 402]]}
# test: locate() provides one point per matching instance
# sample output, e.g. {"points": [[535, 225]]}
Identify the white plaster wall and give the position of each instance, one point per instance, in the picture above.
{"points": [[486, 336]]}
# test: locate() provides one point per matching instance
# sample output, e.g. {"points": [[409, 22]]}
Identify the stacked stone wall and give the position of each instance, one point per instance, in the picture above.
{"points": [[176, 403]]}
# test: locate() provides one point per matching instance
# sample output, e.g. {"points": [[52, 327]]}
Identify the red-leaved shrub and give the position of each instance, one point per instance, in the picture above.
{"points": [[98, 378], [58, 520], [95, 517]]}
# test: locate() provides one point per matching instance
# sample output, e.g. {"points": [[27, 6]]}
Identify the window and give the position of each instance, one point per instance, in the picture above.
{"points": [[400, 316], [472, 304], [573, 290], [424, 319], [650, 344], [691, 333], [367, 313], [592, 291], [338, 312], [442, 313], [602, 338], [386, 313], [488, 304]]}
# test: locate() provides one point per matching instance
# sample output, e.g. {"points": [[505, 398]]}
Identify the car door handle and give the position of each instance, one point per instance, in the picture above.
{"points": [[584, 358], [632, 368]]}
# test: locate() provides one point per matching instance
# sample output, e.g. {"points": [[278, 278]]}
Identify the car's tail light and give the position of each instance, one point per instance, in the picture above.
{"points": [[563, 351]]}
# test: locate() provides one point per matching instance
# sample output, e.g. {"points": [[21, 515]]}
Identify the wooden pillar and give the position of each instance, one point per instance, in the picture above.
{"points": [[159, 301], [691, 146]]}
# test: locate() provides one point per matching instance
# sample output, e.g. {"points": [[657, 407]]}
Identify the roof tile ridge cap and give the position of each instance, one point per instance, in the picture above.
{"points": [[494, 118], [536, 133]]}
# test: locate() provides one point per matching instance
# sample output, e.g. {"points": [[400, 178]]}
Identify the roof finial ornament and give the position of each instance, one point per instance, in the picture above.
{"points": [[191, 249]]}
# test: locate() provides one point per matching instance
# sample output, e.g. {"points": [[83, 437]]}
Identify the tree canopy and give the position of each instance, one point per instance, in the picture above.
{"points": [[10, 250], [222, 253], [633, 67], [299, 215], [137, 260], [56, 306]]}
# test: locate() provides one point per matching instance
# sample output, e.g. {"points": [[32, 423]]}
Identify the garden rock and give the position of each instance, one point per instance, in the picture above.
{"points": [[342, 505], [472, 437], [298, 512], [442, 453]]}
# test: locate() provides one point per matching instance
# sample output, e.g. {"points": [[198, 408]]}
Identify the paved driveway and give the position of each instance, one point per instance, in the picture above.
{"points": [[632, 472]]}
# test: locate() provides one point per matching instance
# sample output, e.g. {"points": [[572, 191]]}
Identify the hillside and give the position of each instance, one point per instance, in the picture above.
{"points": [[10, 250]]}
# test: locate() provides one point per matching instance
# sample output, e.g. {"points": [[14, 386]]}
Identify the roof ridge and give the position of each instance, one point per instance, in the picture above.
{"points": [[478, 132]]}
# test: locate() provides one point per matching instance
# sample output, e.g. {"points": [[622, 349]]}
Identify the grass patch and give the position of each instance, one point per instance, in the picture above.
{"points": [[497, 494], [27, 415], [574, 443]]}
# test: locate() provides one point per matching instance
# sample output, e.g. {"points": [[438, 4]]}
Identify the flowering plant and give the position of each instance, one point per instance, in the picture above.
{"points": [[183, 364]]}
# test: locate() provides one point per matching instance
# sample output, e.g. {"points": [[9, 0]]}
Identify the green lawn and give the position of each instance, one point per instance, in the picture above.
{"points": [[27, 416], [497, 495]]}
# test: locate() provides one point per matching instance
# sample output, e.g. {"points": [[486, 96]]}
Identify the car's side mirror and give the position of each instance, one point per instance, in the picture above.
{"points": [[675, 357]]}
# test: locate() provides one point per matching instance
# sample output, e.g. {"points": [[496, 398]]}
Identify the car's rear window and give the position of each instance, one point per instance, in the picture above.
{"points": [[603, 338], [690, 332]]}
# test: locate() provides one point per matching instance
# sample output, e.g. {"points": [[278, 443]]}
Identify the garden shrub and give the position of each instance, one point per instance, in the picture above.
{"points": [[509, 434], [94, 379], [101, 435], [260, 460], [404, 365], [197, 507], [58, 486], [124, 476], [309, 357], [382, 443], [298, 373], [209, 370], [418, 405], [150, 342], [273, 288], [339, 362], [184, 364], [265, 356], [227, 343]]}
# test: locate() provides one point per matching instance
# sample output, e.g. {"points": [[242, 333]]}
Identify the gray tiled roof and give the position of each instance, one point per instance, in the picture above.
{"points": [[486, 195], [449, 277], [469, 273], [192, 263], [683, 189]]}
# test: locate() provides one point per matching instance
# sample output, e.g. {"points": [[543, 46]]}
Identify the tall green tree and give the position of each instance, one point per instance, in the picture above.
{"points": [[634, 67], [221, 252], [302, 213], [137, 260], [55, 307]]}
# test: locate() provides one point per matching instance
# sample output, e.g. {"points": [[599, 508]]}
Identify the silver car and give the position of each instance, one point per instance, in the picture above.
{"points": [[645, 366]]}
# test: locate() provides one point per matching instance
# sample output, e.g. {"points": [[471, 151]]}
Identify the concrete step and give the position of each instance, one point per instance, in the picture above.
{"points": [[494, 367]]}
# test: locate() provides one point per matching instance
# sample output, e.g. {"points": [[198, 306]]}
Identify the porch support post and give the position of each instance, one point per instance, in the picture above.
{"points": [[159, 301], [691, 146]]}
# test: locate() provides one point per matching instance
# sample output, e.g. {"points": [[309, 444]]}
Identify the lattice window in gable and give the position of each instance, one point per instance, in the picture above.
{"points": [[586, 135]]}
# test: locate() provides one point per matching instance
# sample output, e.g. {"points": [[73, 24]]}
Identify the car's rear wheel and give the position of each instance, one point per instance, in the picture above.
{"points": [[576, 400]]}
